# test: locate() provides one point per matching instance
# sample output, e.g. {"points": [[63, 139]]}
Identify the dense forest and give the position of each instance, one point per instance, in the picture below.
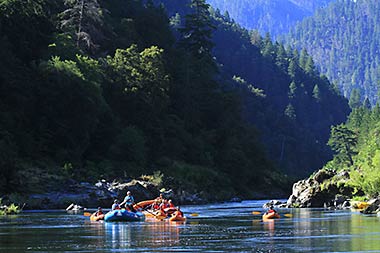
{"points": [[275, 16], [344, 42], [96, 89], [357, 147]]}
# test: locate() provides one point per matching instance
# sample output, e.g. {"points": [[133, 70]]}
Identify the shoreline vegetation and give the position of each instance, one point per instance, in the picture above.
{"points": [[59, 192], [9, 209]]}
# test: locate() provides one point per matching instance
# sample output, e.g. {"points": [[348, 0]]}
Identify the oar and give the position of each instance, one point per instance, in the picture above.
{"points": [[256, 213], [288, 215], [87, 214], [194, 214]]}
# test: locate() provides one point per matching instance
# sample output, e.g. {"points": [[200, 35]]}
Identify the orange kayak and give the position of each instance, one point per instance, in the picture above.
{"points": [[270, 216], [176, 217], [96, 218]]}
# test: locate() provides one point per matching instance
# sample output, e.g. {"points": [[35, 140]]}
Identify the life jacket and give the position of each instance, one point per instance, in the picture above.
{"points": [[179, 213]]}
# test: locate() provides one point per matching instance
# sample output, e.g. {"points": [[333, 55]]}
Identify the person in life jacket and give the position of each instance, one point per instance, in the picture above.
{"points": [[155, 205], [178, 212], [115, 205], [129, 201], [99, 212], [170, 204], [271, 210]]}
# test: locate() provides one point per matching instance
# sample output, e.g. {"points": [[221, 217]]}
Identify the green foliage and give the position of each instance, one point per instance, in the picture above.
{"points": [[156, 178], [9, 210], [129, 149], [358, 147], [206, 180], [336, 37], [93, 89], [198, 29], [343, 141], [83, 20]]}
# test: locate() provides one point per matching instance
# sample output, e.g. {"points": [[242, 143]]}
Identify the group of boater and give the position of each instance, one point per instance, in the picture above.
{"points": [[159, 208]]}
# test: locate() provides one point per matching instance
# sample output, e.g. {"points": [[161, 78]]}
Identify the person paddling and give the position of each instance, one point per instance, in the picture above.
{"points": [[271, 210], [129, 201], [98, 212]]}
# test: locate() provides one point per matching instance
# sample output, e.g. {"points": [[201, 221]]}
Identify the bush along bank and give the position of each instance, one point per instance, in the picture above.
{"points": [[326, 188]]}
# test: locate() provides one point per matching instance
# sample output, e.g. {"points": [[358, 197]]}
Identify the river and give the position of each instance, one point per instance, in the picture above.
{"points": [[226, 227]]}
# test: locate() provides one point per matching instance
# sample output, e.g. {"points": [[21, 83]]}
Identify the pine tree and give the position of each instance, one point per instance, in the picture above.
{"points": [[197, 33], [84, 19]]}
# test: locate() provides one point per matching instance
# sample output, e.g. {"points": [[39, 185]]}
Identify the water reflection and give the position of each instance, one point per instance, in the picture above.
{"points": [[215, 230], [122, 235], [118, 235], [268, 225]]}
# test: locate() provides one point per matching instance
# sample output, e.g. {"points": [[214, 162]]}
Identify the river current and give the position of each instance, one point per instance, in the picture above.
{"points": [[225, 227]]}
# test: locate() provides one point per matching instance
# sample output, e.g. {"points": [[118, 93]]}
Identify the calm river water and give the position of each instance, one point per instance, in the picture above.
{"points": [[227, 227]]}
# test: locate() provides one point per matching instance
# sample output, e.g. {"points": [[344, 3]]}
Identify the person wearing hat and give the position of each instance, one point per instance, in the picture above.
{"points": [[99, 212], [128, 201], [115, 205]]}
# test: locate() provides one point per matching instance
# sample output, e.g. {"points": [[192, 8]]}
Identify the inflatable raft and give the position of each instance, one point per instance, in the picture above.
{"points": [[96, 218], [177, 217], [123, 215], [143, 204], [273, 215]]}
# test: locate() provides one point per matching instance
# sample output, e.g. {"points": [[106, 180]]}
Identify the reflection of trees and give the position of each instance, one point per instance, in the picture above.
{"points": [[302, 228]]}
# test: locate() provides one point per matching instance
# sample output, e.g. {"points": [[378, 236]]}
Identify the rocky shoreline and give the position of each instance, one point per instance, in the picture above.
{"points": [[330, 189], [79, 195], [102, 193]]}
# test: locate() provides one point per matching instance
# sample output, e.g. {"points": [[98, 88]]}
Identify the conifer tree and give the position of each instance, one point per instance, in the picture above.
{"points": [[197, 33]]}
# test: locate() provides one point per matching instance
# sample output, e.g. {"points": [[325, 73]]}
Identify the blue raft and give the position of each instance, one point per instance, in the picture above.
{"points": [[123, 215]]}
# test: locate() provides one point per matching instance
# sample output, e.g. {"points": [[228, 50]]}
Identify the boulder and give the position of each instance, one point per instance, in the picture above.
{"points": [[326, 188]]}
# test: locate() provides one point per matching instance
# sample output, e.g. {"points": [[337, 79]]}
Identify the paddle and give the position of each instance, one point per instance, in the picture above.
{"points": [[194, 214], [256, 213], [288, 215], [87, 214]]}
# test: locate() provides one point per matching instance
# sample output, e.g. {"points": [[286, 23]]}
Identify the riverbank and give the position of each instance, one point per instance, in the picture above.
{"points": [[64, 193]]}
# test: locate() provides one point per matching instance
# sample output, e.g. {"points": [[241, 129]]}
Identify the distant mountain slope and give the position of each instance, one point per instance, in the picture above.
{"points": [[344, 40], [283, 96], [274, 16]]}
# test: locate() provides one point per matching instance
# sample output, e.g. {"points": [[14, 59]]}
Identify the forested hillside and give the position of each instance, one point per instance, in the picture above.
{"points": [[274, 16], [344, 42], [296, 107], [97, 89]]}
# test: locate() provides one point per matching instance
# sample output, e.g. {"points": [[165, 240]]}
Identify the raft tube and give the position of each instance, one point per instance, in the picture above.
{"points": [[96, 218], [143, 204], [176, 217], [271, 216], [123, 215]]}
